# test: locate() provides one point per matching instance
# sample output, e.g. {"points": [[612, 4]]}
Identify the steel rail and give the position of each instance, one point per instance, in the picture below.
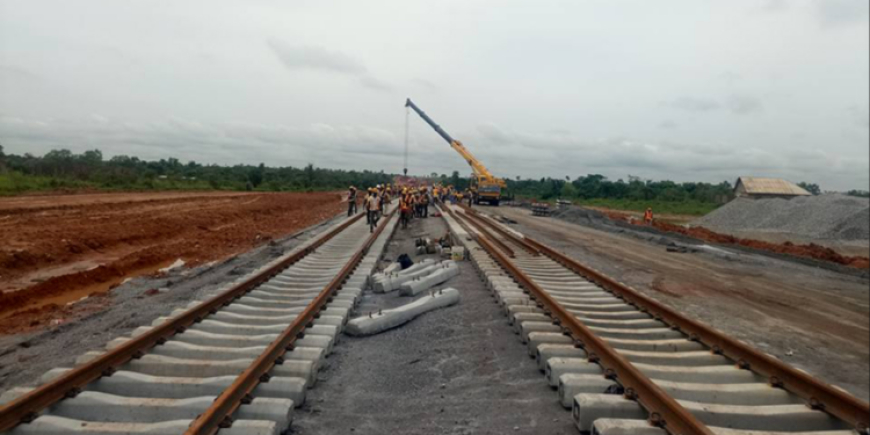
{"points": [[218, 415], [663, 409], [464, 223], [482, 230], [818, 395], [26, 408], [528, 247]]}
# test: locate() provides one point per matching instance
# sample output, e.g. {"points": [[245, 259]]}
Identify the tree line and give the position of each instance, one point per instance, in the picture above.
{"points": [[63, 168], [597, 186]]}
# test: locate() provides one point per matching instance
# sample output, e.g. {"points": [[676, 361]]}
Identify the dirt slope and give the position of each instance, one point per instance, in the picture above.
{"points": [[58, 249]]}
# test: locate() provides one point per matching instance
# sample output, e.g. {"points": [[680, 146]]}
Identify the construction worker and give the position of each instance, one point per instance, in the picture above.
{"points": [[424, 203], [351, 201], [373, 204], [404, 211], [648, 216]]}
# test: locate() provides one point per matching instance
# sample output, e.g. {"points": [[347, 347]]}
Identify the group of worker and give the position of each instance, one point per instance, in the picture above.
{"points": [[374, 203], [413, 201]]}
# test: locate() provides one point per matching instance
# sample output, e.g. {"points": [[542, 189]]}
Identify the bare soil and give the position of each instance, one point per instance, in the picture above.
{"points": [[815, 319], [58, 249], [90, 324]]}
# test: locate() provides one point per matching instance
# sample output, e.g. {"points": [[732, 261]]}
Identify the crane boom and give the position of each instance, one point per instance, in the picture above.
{"points": [[479, 169]]}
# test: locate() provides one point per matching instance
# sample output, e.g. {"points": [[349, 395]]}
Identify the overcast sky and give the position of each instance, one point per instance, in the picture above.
{"points": [[671, 89]]}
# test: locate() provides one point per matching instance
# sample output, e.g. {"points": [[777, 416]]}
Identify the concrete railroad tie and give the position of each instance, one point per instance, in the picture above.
{"points": [[163, 391], [731, 401]]}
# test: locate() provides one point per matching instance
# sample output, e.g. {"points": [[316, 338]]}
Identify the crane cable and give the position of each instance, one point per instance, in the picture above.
{"points": [[407, 120]]}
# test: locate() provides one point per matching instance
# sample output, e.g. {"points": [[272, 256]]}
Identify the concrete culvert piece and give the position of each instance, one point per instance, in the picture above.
{"points": [[389, 319], [437, 276], [394, 282]]}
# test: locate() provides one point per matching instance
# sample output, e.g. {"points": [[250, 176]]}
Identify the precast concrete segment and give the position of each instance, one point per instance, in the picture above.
{"points": [[51, 425], [95, 407], [131, 384], [749, 394], [588, 408], [558, 366], [711, 375], [438, 276], [572, 384], [773, 418], [525, 328], [682, 359], [547, 351], [388, 319], [610, 426], [606, 426], [393, 283]]}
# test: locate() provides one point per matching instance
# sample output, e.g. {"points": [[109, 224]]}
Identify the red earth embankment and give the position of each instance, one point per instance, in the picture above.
{"points": [[58, 249]]}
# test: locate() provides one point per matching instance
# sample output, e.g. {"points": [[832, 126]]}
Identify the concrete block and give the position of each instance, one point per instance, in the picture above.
{"points": [[435, 277], [572, 384], [51, 425], [558, 366], [538, 338], [547, 351], [609, 426], [389, 319], [591, 407]]}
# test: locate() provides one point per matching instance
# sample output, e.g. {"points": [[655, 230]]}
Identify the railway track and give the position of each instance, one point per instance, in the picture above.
{"points": [[623, 363], [237, 363]]}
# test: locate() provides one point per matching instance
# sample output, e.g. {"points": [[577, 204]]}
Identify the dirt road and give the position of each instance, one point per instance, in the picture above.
{"points": [[57, 249], [811, 318]]}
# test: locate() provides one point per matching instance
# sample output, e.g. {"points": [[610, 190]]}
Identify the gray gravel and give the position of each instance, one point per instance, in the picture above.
{"points": [[459, 371], [25, 357], [823, 217]]}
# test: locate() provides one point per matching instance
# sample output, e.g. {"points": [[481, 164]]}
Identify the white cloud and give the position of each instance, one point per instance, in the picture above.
{"points": [[295, 57], [695, 104]]}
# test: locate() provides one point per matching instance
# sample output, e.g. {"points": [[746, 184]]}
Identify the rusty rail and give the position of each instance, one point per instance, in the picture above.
{"points": [[818, 395], [528, 247], [26, 408], [218, 415], [663, 409], [483, 231]]}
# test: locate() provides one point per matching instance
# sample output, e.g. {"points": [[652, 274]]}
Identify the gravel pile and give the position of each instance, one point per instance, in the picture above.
{"points": [[828, 217]]}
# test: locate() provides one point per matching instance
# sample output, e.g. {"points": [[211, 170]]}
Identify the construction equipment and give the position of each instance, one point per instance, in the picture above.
{"points": [[488, 186]]}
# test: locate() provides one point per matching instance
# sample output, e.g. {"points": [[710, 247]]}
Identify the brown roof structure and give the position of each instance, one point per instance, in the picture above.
{"points": [[752, 186]]}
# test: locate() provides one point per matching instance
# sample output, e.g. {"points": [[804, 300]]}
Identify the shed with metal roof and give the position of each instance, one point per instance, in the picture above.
{"points": [[757, 187]]}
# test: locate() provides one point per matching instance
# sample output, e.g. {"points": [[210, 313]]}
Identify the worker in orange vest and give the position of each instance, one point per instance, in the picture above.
{"points": [[648, 216]]}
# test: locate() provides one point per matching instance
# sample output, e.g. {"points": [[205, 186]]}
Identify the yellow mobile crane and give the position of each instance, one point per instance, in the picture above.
{"points": [[488, 186]]}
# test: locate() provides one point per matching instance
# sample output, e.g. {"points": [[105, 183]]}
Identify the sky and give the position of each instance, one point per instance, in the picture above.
{"points": [[685, 90]]}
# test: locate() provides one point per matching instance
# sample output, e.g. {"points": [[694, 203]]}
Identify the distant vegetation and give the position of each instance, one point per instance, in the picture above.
{"points": [[859, 193], [636, 194], [62, 169]]}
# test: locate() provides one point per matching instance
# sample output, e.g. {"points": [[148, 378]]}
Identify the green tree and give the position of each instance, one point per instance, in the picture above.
{"points": [[811, 187], [569, 191], [256, 175], [309, 176]]}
